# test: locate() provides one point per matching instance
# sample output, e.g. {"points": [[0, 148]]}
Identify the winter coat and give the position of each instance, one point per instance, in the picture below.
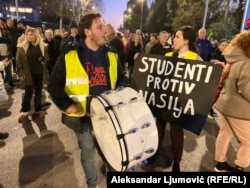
{"points": [[234, 100], [23, 67]]}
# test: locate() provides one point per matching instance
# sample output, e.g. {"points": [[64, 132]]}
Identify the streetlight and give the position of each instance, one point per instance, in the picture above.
{"points": [[205, 14], [141, 14], [17, 13]]}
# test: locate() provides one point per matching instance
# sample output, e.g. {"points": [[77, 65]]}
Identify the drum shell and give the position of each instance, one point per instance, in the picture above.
{"points": [[123, 129]]}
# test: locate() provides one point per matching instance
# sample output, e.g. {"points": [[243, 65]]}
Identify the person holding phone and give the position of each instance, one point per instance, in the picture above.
{"points": [[3, 94], [5, 52]]}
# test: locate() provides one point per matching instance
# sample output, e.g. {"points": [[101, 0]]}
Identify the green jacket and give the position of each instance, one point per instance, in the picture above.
{"points": [[23, 67]]}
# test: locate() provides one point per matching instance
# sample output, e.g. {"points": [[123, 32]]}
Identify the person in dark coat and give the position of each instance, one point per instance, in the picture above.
{"points": [[90, 68], [218, 58], [5, 51], [32, 72], [68, 40], [162, 46], [53, 49], [217, 55], [58, 35], [204, 45], [20, 28], [134, 48], [3, 94], [114, 41], [14, 36]]}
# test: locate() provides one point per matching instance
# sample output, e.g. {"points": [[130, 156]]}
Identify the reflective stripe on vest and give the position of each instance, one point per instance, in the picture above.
{"points": [[113, 60], [77, 82], [189, 55]]}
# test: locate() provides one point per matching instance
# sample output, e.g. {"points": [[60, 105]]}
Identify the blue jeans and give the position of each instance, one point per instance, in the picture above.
{"points": [[81, 127]]}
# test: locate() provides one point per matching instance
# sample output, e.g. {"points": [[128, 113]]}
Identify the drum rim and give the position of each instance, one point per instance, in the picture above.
{"points": [[110, 108], [124, 163]]}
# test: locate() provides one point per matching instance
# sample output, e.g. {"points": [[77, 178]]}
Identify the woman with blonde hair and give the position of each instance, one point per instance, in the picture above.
{"points": [[31, 60]]}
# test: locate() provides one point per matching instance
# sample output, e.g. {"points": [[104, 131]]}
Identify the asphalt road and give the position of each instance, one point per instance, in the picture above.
{"points": [[45, 153]]}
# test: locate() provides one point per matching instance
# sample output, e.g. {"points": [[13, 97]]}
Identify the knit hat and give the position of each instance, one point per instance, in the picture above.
{"points": [[73, 24], [248, 23]]}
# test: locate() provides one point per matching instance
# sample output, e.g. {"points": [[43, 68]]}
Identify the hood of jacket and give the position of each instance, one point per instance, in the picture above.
{"points": [[234, 54], [80, 43]]}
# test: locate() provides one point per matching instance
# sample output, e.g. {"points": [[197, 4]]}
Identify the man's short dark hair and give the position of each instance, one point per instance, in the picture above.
{"points": [[86, 22]]}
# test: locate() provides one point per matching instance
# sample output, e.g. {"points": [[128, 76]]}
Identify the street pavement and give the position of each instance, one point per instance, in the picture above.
{"points": [[45, 153]]}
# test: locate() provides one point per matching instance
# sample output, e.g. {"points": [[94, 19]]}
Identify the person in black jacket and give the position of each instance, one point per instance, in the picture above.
{"points": [[20, 29], [5, 51], [218, 58], [68, 40], [217, 54], [87, 69], [134, 48], [162, 46], [3, 94], [32, 72], [114, 41], [14, 35], [53, 49]]}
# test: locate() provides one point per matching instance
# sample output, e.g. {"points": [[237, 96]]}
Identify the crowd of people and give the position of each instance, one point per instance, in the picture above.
{"points": [[92, 57]]}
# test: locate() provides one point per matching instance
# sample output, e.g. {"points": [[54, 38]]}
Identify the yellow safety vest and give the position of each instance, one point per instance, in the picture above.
{"points": [[77, 81], [189, 55]]}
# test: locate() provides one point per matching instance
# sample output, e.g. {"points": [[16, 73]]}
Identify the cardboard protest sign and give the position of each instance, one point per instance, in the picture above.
{"points": [[178, 90]]}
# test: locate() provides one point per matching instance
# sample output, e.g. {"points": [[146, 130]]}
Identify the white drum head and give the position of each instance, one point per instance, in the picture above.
{"points": [[105, 135], [123, 127]]}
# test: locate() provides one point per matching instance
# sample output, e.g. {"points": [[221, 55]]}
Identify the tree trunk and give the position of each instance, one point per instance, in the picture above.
{"points": [[61, 14]]}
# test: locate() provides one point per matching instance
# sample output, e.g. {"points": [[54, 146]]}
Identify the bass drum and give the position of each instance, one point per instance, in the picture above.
{"points": [[123, 127]]}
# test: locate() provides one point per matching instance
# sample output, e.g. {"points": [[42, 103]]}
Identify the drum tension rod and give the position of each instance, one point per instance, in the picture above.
{"points": [[131, 131]]}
